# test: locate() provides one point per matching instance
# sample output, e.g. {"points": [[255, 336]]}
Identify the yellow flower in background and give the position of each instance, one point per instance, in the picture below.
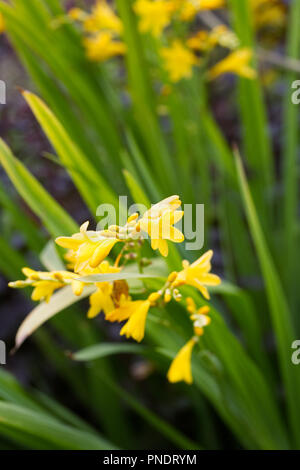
{"points": [[87, 248], [135, 326], [268, 13], [206, 40], [158, 223], [237, 62], [178, 61], [2, 24], [46, 283], [198, 274], [190, 8], [181, 367], [103, 46], [102, 18], [77, 14], [155, 15], [199, 42], [104, 27]]}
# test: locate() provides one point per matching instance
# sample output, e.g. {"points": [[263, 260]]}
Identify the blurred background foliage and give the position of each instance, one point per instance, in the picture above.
{"points": [[115, 117]]}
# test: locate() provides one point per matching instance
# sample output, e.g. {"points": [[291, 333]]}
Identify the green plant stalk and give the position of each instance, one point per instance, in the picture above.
{"points": [[254, 121], [143, 99], [290, 159]]}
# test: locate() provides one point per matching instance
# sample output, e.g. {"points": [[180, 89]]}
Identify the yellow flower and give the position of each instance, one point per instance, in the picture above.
{"points": [[2, 24], [102, 299], [158, 223], [135, 326], [237, 62], [128, 308], [88, 248], [179, 61], [103, 46], [198, 274], [155, 15], [46, 283], [181, 368], [103, 17], [170, 203], [189, 8], [124, 310]]}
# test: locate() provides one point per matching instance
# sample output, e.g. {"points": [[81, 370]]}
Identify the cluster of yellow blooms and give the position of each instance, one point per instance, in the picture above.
{"points": [[87, 253], [181, 56], [104, 29]]}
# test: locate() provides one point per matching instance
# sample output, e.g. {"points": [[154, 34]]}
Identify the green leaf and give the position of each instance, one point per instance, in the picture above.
{"points": [[280, 314], [116, 277], [255, 126], [53, 216], [135, 189], [59, 435], [50, 259], [62, 299], [81, 170], [107, 349], [290, 163], [22, 221]]}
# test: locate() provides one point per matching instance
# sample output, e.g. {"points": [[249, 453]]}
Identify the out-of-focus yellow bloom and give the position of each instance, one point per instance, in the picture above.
{"points": [[199, 42], [158, 223], [237, 62], [104, 27], [2, 24], [77, 14], [179, 61], [189, 8], [102, 18], [46, 283], [198, 274], [207, 40], [135, 326], [87, 248], [224, 37], [181, 368], [102, 299], [103, 46], [268, 13], [155, 15]]}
